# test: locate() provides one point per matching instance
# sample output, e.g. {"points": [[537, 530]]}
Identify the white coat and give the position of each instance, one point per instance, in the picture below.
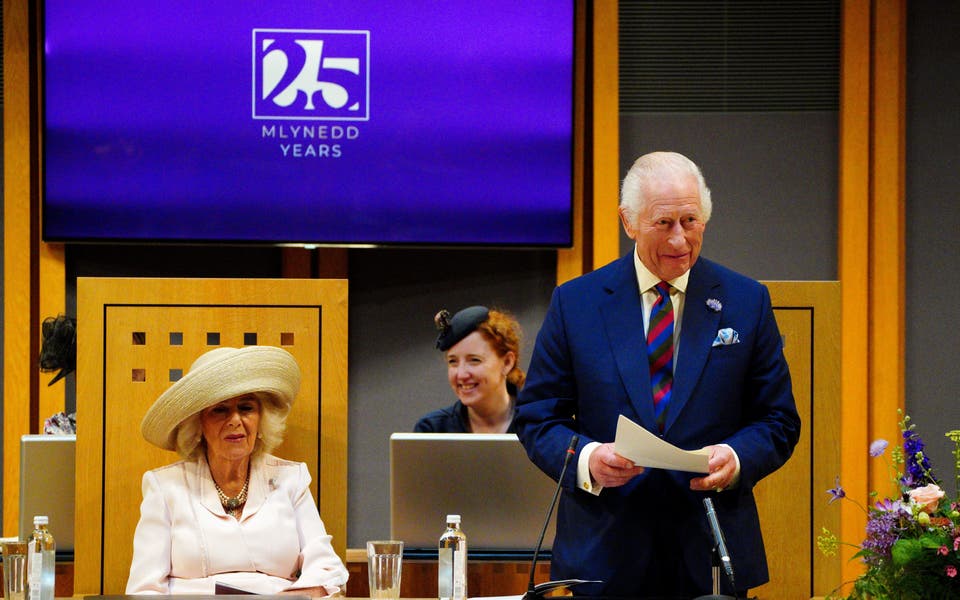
{"points": [[185, 542]]}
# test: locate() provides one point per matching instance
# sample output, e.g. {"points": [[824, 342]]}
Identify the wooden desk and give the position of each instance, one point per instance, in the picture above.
{"points": [[419, 576]]}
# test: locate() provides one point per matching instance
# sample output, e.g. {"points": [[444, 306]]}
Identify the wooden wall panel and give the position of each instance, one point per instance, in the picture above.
{"points": [[792, 504], [888, 256], [605, 113], [33, 272], [854, 256], [872, 257], [17, 229]]}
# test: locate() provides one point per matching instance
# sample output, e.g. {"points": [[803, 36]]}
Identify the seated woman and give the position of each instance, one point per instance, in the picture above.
{"points": [[229, 512], [482, 349]]}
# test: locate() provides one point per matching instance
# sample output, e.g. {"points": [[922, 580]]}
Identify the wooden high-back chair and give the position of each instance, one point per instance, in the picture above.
{"points": [[136, 336]]}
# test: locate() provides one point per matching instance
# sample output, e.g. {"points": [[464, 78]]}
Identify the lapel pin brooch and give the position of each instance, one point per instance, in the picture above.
{"points": [[714, 305]]}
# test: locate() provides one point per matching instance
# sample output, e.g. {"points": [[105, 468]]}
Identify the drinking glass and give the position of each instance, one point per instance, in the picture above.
{"points": [[15, 570], [383, 566]]}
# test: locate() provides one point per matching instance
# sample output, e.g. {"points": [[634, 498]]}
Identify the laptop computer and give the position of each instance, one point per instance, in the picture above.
{"points": [[47, 486], [487, 479]]}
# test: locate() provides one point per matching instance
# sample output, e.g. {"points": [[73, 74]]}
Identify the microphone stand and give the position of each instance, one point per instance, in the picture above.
{"points": [[715, 571], [531, 593], [719, 556]]}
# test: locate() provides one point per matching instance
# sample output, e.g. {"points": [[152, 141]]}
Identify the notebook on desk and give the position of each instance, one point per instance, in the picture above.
{"points": [[487, 479], [47, 485]]}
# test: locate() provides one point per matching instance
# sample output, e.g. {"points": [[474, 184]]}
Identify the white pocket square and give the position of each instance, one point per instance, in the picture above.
{"points": [[725, 337]]}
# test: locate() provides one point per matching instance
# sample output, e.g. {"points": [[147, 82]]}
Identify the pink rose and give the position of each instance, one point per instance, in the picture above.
{"points": [[951, 571], [927, 497]]}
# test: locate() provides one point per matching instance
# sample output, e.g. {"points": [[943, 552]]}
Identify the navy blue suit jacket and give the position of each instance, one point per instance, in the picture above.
{"points": [[589, 365]]}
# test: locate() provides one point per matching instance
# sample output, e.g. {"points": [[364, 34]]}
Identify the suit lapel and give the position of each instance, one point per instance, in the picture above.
{"points": [[622, 315], [205, 488], [261, 477], [697, 332]]}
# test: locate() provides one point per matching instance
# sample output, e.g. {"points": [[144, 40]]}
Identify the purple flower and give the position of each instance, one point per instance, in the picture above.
{"points": [[836, 493], [882, 529], [891, 506], [878, 447], [714, 305], [917, 465]]}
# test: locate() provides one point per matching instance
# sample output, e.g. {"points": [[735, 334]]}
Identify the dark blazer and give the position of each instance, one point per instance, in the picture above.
{"points": [[651, 537], [452, 419]]}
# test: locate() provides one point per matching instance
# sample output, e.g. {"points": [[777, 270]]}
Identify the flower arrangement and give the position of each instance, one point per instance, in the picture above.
{"points": [[912, 544]]}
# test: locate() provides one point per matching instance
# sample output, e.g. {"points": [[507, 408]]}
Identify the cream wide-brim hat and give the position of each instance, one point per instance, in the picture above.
{"points": [[218, 375]]}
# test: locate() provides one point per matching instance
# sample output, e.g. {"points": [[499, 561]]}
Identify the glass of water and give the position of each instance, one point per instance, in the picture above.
{"points": [[384, 559], [15, 570]]}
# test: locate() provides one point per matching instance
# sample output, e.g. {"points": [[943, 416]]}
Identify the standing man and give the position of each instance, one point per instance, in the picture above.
{"points": [[691, 351]]}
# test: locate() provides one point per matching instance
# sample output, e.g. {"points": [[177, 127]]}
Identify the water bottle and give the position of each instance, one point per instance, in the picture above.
{"points": [[41, 559], [452, 562]]}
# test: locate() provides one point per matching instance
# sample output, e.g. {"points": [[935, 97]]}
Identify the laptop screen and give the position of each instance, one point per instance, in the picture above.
{"points": [[47, 486], [501, 497]]}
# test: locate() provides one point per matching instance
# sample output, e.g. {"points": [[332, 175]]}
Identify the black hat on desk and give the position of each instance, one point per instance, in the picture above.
{"points": [[453, 329]]}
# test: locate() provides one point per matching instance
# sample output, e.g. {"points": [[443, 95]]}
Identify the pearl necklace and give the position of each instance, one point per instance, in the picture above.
{"points": [[233, 506]]}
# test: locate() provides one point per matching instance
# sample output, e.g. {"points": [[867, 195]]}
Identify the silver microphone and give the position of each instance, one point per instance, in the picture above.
{"points": [[725, 561]]}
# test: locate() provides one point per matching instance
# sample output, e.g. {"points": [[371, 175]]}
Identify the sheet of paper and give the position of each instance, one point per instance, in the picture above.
{"points": [[647, 450]]}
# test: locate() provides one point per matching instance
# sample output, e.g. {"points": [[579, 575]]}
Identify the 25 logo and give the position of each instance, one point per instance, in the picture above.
{"points": [[311, 74]]}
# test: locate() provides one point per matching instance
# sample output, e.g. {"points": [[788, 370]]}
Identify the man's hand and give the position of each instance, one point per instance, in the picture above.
{"points": [[723, 467], [609, 469]]}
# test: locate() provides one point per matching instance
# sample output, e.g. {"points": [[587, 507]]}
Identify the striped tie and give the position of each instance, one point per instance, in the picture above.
{"points": [[660, 351]]}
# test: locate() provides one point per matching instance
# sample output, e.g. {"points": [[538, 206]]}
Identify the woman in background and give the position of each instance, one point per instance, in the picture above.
{"points": [[230, 513], [482, 351]]}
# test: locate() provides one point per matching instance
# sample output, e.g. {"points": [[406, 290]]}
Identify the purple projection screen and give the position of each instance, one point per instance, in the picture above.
{"points": [[348, 122]]}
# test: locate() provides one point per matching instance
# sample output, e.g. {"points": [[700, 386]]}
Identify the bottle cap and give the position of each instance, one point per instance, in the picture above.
{"points": [[453, 518], [41, 520]]}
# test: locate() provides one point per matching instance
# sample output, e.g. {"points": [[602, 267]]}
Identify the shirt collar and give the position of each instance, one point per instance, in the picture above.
{"points": [[648, 280]]}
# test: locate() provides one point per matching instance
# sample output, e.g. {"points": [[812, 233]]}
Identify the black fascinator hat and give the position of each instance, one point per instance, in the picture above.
{"points": [[453, 329], [59, 348]]}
